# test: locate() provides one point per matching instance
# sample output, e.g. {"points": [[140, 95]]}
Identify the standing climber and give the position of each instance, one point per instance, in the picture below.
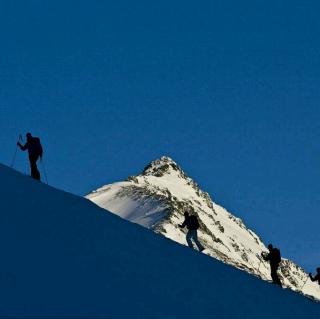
{"points": [[274, 258], [35, 151], [316, 277], [192, 224]]}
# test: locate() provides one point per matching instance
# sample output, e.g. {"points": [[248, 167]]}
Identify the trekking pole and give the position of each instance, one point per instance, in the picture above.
{"points": [[15, 153], [14, 157], [260, 261], [304, 284], [44, 170], [259, 265]]}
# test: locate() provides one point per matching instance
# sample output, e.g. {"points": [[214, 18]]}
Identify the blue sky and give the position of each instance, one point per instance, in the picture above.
{"points": [[229, 90]]}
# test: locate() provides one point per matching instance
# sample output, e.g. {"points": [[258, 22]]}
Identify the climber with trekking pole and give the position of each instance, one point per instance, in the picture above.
{"points": [[192, 223], [35, 151], [274, 258]]}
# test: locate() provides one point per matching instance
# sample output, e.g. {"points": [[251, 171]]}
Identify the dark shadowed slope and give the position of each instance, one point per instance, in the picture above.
{"points": [[63, 256]]}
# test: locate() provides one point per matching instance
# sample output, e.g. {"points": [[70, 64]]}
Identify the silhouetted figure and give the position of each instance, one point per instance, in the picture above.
{"points": [[192, 224], [35, 151], [316, 277], [274, 258]]}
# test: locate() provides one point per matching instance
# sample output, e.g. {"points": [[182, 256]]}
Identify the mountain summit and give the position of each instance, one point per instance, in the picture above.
{"points": [[157, 199], [164, 165]]}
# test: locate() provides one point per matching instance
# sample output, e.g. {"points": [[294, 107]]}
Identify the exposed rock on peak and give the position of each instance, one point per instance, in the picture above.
{"points": [[161, 166]]}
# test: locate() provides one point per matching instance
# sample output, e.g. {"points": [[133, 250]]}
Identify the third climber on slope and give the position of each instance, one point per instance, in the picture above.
{"points": [[192, 224], [274, 258]]}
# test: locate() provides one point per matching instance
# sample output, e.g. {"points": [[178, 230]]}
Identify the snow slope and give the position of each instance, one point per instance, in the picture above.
{"points": [[62, 256], [157, 198]]}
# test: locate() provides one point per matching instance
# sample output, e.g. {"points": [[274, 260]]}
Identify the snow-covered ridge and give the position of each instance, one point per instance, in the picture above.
{"points": [[64, 257], [157, 199]]}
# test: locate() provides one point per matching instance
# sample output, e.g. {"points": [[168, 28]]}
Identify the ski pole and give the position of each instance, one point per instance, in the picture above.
{"points": [[259, 265], [44, 170], [15, 153], [304, 284], [262, 255], [14, 157]]}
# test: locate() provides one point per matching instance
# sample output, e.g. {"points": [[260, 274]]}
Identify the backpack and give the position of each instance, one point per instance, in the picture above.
{"points": [[276, 255], [193, 222], [37, 147]]}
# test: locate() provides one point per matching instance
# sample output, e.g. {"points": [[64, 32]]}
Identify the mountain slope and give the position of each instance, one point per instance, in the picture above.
{"points": [[157, 198], [62, 256]]}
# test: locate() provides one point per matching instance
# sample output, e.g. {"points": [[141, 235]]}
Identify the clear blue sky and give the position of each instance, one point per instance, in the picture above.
{"points": [[228, 89]]}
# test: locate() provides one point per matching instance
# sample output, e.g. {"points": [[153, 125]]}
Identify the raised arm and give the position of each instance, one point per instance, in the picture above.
{"points": [[23, 147], [315, 278], [183, 224]]}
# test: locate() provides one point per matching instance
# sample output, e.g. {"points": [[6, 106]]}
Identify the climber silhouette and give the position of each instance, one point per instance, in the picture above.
{"points": [[274, 258], [192, 224], [35, 151]]}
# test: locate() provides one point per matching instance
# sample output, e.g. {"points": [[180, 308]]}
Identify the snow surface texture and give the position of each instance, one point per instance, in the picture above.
{"points": [[64, 257], [157, 199]]}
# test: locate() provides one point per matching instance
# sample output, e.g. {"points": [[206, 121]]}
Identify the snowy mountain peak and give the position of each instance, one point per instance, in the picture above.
{"points": [[157, 199], [167, 169], [162, 166]]}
